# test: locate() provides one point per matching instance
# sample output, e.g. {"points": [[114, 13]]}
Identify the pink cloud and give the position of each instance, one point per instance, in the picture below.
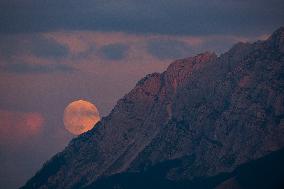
{"points": [[80, 41], [19, 126]]}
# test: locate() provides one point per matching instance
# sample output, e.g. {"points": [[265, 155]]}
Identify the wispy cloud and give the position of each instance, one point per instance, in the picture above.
{"points": [[169, 49], [117, 51], [36, 44], [18, 126], [47, 48], [65, 52], [27, 54], [26, 68]]}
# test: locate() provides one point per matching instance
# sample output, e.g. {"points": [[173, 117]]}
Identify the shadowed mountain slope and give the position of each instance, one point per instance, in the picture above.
{"points": [[264, 173]]}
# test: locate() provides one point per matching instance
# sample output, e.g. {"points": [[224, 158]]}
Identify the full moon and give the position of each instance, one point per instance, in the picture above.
{"points": [[80, 116]]}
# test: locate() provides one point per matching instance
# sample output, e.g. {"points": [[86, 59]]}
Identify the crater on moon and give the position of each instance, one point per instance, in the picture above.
{"points": [[80, 116]]}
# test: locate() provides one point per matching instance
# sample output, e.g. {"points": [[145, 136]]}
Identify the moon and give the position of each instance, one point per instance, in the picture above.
{"points": [[80, 116]]}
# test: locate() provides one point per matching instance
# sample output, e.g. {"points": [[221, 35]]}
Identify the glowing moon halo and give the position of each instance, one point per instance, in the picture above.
{"points": [[80, 116]]}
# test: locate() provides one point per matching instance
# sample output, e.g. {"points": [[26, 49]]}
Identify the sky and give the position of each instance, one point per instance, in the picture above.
{"points": [[53, 52]]}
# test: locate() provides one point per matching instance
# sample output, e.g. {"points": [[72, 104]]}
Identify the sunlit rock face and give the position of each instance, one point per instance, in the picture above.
{"points": [[211, 113]]}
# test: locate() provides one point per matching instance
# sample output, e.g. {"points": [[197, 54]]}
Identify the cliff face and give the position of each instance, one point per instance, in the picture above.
{"points": [[211, 113]]}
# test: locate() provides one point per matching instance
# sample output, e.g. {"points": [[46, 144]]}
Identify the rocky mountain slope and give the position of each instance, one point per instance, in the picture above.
{"points": [[209, 113]]}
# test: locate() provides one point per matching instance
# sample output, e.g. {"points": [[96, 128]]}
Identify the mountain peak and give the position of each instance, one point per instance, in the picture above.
{"points": [[191, 63], [276, 40], [279, 32], [206, 56], [178, 72], [199, 58]]}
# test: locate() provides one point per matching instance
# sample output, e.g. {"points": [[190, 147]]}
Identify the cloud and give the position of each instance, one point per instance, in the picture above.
{"points": [[109, 46], [26, 68], [117, 51], [186, 17], [66, 52], [98, 46], [25, 54], [168, 49], [18, 126], [36, 44], [47, 48]]}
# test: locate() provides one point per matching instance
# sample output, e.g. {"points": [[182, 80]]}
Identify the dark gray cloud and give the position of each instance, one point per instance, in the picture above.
{"points": [[168, 49], [115, 51], [37, 45], [14, 46], [24, 68], [47, 48], [218, 45], [143, 16]]}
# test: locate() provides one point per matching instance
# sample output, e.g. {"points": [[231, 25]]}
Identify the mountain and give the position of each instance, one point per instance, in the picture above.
{"points": [[201, 118]]}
